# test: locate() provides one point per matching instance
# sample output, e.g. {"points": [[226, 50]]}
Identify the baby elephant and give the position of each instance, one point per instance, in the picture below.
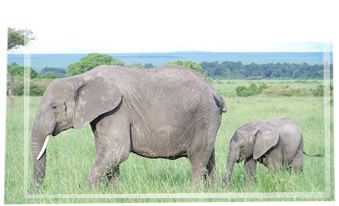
{"points": [[274, 143]]}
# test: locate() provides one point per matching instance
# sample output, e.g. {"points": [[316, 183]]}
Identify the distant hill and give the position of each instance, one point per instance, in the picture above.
{"points": [[59, 72]]}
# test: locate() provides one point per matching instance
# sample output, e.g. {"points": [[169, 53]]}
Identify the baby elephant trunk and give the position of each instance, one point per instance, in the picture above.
{"points": [[229, 169]]}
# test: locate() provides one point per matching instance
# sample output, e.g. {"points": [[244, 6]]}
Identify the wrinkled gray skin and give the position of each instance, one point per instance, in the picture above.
{"points": [[274, 143], [157, 113]]}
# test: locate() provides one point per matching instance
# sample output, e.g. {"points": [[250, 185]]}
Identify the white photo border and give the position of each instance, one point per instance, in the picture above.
{"points": [[326, 195]]}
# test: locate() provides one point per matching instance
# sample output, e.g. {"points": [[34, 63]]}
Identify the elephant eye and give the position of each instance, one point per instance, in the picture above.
{"points": [[54, 106], [65, 106]]}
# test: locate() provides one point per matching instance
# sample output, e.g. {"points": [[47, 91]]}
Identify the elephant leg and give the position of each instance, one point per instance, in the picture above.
{"points": [[113, 174], [99, 169], [272, 164], [112, 141], [274, 159], [105, 165], [200, 155], [250, 170], [211, 170], [198, 170], [110, 153], [298, 161]]}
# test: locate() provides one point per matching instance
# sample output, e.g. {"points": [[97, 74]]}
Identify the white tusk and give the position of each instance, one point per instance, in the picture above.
{"points": [[43, 148]]}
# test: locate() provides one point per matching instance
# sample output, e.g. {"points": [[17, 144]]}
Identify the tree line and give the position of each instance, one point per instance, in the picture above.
{"points": [[238, 70], [220, 70]]}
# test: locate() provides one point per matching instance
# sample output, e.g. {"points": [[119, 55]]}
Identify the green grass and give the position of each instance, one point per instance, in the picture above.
{"points": [[71, 154]]}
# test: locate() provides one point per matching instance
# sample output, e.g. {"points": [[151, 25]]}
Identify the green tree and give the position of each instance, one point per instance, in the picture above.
{"points": [[189, 64], [18, 70], [90, 61], [18, 37]]}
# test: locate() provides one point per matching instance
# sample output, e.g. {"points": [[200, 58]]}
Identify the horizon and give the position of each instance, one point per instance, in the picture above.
{"points": [[63, 60]]}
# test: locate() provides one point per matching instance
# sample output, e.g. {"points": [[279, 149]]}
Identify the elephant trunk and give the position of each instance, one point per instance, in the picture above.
{"points": [[39, 164], [40, 138], [229, 167]]}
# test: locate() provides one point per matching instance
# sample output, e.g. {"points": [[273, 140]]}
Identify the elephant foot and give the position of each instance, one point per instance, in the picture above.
{"points": [[93, 182], [198, 187], [210, 181], [225, 183], [33, 189], [35, 186], [198, 180], [250, 182], [92, 186]]}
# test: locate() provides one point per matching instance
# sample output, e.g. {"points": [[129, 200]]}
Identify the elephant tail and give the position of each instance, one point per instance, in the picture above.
{"points": [[312, 155], [219, 101]]}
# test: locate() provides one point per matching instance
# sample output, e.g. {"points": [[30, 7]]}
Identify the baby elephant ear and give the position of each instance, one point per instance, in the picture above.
{"points": [[265, 139], [93, 98]]}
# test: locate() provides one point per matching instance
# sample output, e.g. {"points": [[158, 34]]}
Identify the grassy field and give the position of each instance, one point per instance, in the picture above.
{"points": [[71, 154]]}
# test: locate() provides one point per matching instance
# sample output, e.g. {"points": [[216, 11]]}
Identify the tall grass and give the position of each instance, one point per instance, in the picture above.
{"points": [[71, 154]]}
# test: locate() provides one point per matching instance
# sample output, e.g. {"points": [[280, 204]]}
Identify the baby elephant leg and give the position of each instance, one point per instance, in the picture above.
{"points": [[274, 160], [250, 170], [298, 161]]}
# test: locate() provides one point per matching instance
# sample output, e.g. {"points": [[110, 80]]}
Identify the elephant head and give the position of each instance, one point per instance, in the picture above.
{"points": [[252, 140], [69, 103]]}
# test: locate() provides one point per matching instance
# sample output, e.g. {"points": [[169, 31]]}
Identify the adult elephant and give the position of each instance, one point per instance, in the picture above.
{"points": [[168, 112]]}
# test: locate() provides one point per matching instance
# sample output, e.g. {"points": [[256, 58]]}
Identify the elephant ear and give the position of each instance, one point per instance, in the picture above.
{"points": [[93, 98], [265, 139]]}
